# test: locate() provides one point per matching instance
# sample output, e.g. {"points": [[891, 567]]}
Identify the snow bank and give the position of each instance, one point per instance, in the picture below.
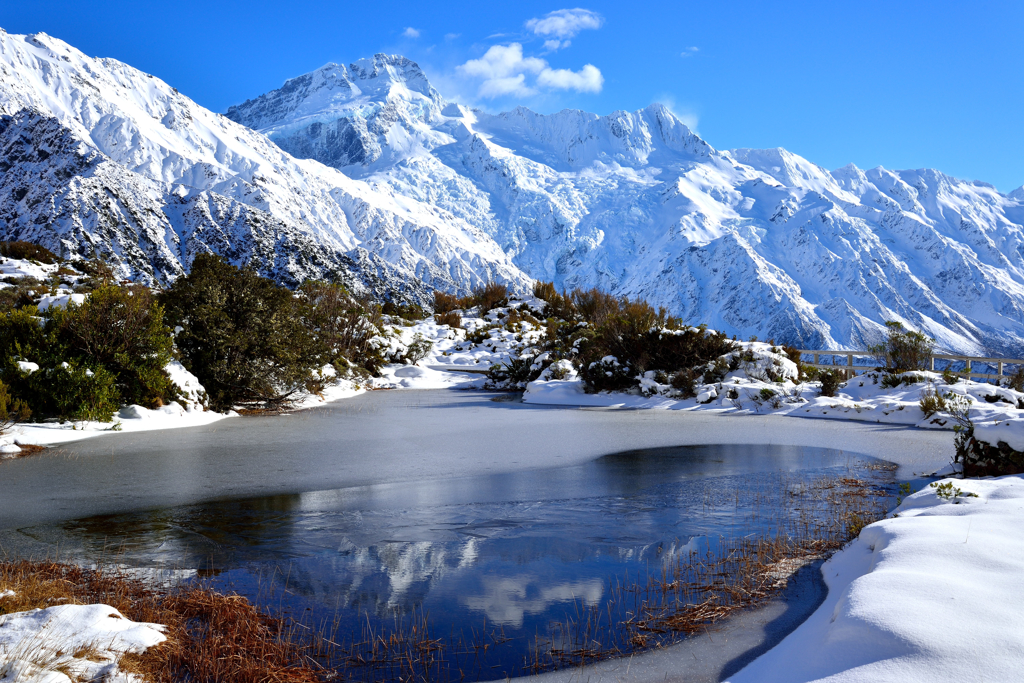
{"points": [[931, 594], [863, 398], [70, 643]]}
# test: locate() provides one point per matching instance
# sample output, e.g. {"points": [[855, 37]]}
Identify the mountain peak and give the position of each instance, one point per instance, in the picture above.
{"points": [[337, 89]]}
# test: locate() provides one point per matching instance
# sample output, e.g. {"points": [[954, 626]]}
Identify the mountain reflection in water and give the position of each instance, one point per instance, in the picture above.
{"points": [[518, 552]]}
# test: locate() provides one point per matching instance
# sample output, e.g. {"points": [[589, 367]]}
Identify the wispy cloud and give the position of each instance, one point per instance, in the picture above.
{"points": [[690, 51], [565, 23], [410, 32], [552, 45], [503, 71], [451, 36]]}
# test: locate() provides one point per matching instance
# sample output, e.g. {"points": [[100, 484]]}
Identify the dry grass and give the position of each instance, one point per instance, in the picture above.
{"points": [[211, 637]]}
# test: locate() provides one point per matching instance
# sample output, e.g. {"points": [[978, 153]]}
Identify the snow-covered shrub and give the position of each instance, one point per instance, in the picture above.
{"points": [[830, 380], [608, 374], [418, 349], [683, 381], [342, 327], [516, 373]]}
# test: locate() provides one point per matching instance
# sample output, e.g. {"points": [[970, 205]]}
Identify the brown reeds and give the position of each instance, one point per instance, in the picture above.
{"points": [[211, 637], [807, 522]]}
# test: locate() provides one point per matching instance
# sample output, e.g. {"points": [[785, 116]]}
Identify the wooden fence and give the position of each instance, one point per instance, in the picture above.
{"points": [[850, 369]]}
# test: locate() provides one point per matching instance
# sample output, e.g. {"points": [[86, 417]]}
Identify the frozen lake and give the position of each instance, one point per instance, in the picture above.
{"points": [[387, 437], [491, 518]]}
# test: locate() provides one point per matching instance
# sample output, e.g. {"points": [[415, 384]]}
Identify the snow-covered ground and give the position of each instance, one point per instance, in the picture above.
{"points": [[929, 594], [746, 390], [68, 643], [933, 593]]}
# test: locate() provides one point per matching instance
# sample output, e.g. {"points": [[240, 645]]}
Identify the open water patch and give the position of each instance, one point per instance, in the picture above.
{"points": [[496, 576]]}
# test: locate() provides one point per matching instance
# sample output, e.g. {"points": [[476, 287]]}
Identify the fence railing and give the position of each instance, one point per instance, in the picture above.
{"points": [[850, 369]]}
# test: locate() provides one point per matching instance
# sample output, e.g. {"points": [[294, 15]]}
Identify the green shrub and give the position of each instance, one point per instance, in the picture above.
{"points": [[411, 312], [12, 410], [76, 392], [241, 334], [932, 402], [22, 294], [891, 381], [808, 373], [480, 334], [684, 381], [121, 329], [341, 327], [904, 349], [831, 380], [27, 251], [418, 349]]}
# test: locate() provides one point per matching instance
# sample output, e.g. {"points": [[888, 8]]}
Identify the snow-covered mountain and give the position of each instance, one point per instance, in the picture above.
{"points": [[366, 173], [749, 241], [98, 157]]}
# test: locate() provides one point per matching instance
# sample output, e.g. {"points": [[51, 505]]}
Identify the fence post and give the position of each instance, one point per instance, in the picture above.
{"points": [[815, 358], [849, 365], [1000, 368], [968, 367], [933, 364]]}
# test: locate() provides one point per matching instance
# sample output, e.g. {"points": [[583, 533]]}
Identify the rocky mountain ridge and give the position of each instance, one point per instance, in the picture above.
{"points": [[100, 158], [749, 241], [365, 173]]}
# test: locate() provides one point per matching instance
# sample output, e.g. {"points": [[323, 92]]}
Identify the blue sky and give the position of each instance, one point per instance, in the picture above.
{"points": [[897, 84]]}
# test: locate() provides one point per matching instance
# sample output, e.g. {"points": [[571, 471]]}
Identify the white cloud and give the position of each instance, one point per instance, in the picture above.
{"points": [[552, 45], [565, 23], [508, 85], [690, 51], [587, 79], [503, 70], [451, 36], [410, 32], [501, 61]]}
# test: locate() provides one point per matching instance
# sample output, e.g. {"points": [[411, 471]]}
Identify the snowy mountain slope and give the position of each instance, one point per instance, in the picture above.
{"points": [[100, 156], [750, 241], [397, 188]]}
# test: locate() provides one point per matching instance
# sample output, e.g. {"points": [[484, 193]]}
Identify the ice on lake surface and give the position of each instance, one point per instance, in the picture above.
{"points": [[504, 559]]}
